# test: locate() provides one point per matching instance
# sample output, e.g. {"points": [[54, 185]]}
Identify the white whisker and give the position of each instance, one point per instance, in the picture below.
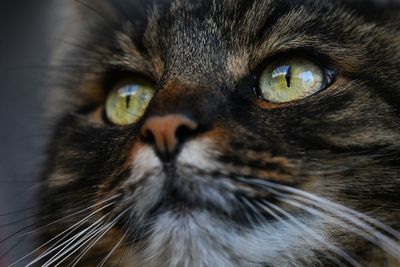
{"points": [[273, 214], [67, 242], [360, 220], [111, 252], [314, 235], [81, 243], [366, 218], [83, 253], [102, 231], [71, 215], [254, 209], [365, 233], [67, 231]]}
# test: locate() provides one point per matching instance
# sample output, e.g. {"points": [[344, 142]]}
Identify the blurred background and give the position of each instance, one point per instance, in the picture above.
{"points": [[25, 42]]}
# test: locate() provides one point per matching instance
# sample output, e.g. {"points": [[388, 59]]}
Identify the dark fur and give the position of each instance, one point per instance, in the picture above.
{"points": [[204, 57]]}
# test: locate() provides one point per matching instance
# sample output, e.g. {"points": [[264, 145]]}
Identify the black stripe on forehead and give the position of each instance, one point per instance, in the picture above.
{"points": [[196, 37], [200, 21], [135, 12]]}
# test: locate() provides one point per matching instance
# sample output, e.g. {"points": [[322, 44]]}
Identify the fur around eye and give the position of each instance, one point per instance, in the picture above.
{"points": [[292, 79]]}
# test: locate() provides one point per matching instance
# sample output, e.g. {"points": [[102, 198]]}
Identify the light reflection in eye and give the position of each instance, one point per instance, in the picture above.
{"points": [[126, 104], [290, 79], [128, 90], [281, 71], [307, 77]]}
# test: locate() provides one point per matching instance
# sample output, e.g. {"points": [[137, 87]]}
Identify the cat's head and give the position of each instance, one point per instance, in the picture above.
{"points": [[213, 133]]}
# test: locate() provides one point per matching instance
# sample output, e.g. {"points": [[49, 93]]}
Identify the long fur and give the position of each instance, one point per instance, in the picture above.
{"points": [[315, 182]]}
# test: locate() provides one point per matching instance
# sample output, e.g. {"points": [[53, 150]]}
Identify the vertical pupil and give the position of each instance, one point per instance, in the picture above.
{"points": [[128, 100], [283, 72], [288, 75]]}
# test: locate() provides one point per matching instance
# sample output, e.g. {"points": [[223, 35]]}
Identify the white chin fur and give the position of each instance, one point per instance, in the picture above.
{"points": [[148, 167], [200, 239], [199, 154]]}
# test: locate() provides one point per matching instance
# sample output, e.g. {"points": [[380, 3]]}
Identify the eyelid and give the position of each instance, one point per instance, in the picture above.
{"points": [[322, 60], [249, 77], [269, 89], [119, 77]]}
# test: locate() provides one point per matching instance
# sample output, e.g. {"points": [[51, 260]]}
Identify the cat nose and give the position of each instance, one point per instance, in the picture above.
{"points": [[167, 133]]}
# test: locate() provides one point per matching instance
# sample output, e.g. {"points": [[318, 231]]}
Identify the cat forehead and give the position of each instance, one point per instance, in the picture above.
{"points": [[227, 37], [219, 42]]}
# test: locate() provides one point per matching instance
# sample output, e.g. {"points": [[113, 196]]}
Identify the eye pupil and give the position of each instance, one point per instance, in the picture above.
{"points": [[284, 73], [290, 79], [128, 100], [126, 103], [288, 76]]}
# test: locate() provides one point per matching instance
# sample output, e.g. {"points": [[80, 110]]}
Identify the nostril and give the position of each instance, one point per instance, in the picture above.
{"points": [[147, 135], [184, 132], [167, 133]]}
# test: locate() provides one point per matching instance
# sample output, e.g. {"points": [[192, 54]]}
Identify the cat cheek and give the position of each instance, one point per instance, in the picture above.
{"points": [[200, 154], [142, 160]]}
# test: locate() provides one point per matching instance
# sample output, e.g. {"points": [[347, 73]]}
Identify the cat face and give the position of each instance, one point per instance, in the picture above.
{"points": [[213, 168]]}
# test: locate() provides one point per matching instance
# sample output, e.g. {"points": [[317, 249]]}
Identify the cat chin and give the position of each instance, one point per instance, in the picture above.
{"points": [[196, 236], [201, 239], [192, 180]]}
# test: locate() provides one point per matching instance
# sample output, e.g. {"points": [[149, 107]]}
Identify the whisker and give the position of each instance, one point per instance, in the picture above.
{"points": [[67, 242], [360, 220], [364, 233], [16, 222], [128, 225], [314, 235], [255, 211], [17, 232], [73, 214], [83, 253], [281, 220], [17, 211], [245, 213], [366, 218], [79, 244], [111, 252], [273, 214], [369, 233], [85, 240], [70, 229], [2, 256]]}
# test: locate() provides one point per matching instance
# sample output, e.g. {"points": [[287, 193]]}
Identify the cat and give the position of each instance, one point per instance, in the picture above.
{"points": [[224, 133]]}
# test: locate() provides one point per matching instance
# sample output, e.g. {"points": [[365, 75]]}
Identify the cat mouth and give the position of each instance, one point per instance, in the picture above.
{"points": [[195, 181], [186, 189]]}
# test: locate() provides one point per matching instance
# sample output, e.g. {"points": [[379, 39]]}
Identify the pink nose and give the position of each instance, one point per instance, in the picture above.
{"points": [[167, 132]]}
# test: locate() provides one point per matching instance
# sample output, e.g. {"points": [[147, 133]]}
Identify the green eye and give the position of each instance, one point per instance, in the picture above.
{"points": [[127, 103], [291, 79]]}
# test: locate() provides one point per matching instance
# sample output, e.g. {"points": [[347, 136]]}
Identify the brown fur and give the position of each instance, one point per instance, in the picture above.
{"points": [[205, 58]]}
